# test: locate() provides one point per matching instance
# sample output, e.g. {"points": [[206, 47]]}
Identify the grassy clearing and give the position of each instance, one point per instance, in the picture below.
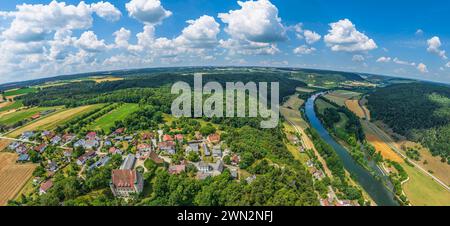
{"points": [[429, 162], [17, 116], [53, 120], [106, 122], [423, 191], [21, 91], [322, 105], [379, 144]]}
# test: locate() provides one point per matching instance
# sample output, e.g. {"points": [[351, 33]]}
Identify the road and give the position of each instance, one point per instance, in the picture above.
{"points": [[29, 142], [388, 140]]}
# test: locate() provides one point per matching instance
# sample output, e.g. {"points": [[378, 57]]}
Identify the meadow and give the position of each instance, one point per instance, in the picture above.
{"points": [[107, 121], [21, 91]]}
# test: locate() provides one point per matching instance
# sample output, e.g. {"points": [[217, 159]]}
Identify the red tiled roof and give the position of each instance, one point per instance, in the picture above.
{"points": [[167, 137], [156, 158], [124, 178], [214, 137], [179, 137], [46, 185]]}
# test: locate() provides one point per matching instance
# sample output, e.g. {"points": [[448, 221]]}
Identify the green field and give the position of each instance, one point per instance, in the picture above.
{"points": [[17, 116], [107, 121], [421, 190], [15, 105], [20, 91]]}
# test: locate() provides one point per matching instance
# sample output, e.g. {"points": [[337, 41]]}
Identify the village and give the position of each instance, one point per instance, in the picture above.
{"points": [[207, 155]]}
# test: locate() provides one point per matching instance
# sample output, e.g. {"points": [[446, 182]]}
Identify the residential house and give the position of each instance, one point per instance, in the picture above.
{"points": [[167, 137], [36, 116], [91, 144], [214, 138], [126, 182], [55, 140], [128, 163], [155, 158], [206, 150], [147, 136], [67, 137], [27, 135], [79, 143], [177, 169], [47, 135], [21, 149], [91, 136], [179, 137], [217, 152], [23, 158], [118, 131], [114, 150], [52, 166], [235, 159], [101, 162], [192, 147], [41, 148], [45, 187], [204, 167], [88, 155], [108, 143], [167, 146], [144, 147], [218, 166], [13, 145]]}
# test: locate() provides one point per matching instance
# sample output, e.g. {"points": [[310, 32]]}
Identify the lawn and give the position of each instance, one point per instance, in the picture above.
{"points": [[107, 121], [423, 191], [20, 91], [17, 116], [14, 105]]}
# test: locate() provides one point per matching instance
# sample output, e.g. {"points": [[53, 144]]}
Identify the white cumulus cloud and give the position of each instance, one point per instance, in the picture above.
{"points": [[384, 59], [422, 68], [311, 37], [358, 58], [89, 42], [304, 50], [343, 36], [434, 45], [147, 11]]}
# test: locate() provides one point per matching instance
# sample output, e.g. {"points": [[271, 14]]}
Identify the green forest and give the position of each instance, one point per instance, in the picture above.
{"points": [[418, 111]]}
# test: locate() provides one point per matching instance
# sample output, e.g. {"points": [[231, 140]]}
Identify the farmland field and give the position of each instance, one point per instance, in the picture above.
{"points": [[20, 91], [54, 120], [421, 190], [340, 96], [353, 105], [13, 176], [17, 116], [379, 145], [107, 121], [4, 143], [13, 105]]}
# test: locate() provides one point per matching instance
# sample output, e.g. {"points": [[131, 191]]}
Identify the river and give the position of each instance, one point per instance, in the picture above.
{"points": [[375, 188]]}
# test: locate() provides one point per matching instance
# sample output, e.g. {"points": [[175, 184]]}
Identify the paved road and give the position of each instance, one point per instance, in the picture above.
{"points": [[27, 141]]}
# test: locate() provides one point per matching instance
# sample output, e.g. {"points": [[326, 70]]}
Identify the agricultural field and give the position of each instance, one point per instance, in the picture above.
{"points": [[353, 106], [53, 120], [322, 105], [18, 92], [13, 105], [13, 176], [421, 190], [107, 121], [17, 116], [4, 143], [305, 90], [379, 144], [290, 110], [106, 79], [340, 96]]}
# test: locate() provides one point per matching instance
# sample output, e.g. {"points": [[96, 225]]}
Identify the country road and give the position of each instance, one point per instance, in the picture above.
{"points": [[29, 142]]}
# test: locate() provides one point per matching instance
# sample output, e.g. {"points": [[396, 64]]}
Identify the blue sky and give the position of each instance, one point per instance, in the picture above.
{"points": [[399, 38]]}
